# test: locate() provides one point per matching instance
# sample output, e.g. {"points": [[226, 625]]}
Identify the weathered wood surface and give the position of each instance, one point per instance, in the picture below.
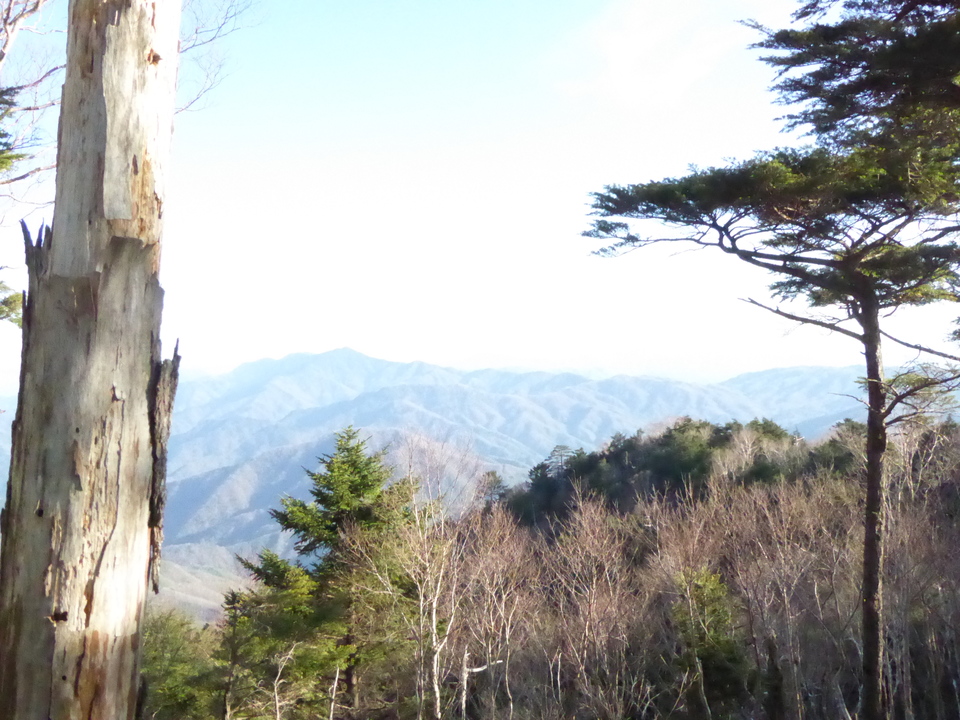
{"points": [[81, 525]]}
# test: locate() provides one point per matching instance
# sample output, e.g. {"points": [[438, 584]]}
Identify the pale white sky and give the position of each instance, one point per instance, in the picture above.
{"points": [[410, 178]]}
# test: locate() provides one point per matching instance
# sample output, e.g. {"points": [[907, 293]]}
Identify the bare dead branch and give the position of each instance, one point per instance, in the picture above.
{"points": [[29, 173], [208, 21], [225, 21], [14, 14], [213, 76], [35, 108], [921, 348], [38, 81], [833, 327]]}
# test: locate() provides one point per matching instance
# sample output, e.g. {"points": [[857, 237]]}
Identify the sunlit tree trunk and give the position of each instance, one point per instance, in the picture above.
{"points": [[81, 526]]}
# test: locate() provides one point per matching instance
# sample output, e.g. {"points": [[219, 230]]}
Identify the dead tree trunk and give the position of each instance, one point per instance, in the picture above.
{"points": [[81, 526]]}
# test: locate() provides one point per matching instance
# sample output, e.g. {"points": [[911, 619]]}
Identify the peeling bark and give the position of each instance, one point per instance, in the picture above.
{"points": [[83, 517]]}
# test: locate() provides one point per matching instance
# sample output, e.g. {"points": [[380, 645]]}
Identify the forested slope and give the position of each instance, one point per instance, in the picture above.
{"points": [[241, 440], [705, 570]]}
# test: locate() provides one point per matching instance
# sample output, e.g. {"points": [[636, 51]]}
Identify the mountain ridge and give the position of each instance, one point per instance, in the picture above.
{"points": [[243, 439]]}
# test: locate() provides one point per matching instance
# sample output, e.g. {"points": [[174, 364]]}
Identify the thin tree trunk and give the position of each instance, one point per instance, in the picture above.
{"points": [[464, 674], [506, 683], [793, 684], [350, 680], [873, 515], [436, 647], [351, 675], [333, 692], [81, 526], [228, 697], [436, 706]]}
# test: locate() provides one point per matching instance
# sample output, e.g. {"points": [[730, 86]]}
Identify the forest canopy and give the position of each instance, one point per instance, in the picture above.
{"points": [[707, 568]]}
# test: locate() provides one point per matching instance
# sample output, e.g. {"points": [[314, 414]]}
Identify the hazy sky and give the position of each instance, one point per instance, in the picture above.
{"points": [[410, 178]]}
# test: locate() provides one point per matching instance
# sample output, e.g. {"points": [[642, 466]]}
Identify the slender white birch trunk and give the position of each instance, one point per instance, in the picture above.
{"points": [[82, 523]]}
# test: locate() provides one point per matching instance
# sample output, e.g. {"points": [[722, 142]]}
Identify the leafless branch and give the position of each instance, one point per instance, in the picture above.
{"points": [[207, 21], [38, 81], [29, 173], [13, 15], [208, 28], [833, 327], [212, 70], [36, 108], [921, 348]]}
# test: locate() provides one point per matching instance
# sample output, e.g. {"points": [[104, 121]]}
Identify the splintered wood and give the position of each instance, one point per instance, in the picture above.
{"points": [[83, 518]]}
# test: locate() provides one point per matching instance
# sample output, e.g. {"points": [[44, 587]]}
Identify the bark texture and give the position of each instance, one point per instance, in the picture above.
{"points": [[876, 446], [82, 522]]}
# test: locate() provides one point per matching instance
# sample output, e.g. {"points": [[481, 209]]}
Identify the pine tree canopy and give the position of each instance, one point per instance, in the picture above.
{"points": [[834, 224], [882, 61], [863, 223], [345, 491]]}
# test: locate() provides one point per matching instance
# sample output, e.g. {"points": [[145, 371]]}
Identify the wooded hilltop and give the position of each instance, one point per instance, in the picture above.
{"points": [[708, 571]]}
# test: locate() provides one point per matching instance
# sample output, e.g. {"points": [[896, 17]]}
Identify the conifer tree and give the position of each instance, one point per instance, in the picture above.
{"points": [[351, 491], [856, 76], [857, 227], [347, 491]]}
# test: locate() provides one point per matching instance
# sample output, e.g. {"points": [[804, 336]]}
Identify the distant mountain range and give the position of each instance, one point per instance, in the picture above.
{"points": [[240, 441]]}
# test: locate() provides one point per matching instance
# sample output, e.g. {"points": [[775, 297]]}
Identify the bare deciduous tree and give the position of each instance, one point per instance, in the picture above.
{"points": [[427, 557], [591, 570], [502, 578]]}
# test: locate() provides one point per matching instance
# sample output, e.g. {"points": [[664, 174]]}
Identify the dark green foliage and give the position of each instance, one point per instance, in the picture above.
{"points": [[303, 623], [558, 459], [679, 460], [11, 305], [544, 496], [11, 302], [675, 463], [882, 61], [8, 153], [842, 453], [492, 489], [288, 599], [276, 635], [346, 491], [768, 429], [714, 652], [176, 664], [867, 225], [239, 656], [798, 195]]}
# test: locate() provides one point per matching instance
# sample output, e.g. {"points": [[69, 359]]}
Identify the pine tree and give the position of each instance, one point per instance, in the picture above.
{"points": [[859, 226], [855, 77], [349, 490], [312, 601]]}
